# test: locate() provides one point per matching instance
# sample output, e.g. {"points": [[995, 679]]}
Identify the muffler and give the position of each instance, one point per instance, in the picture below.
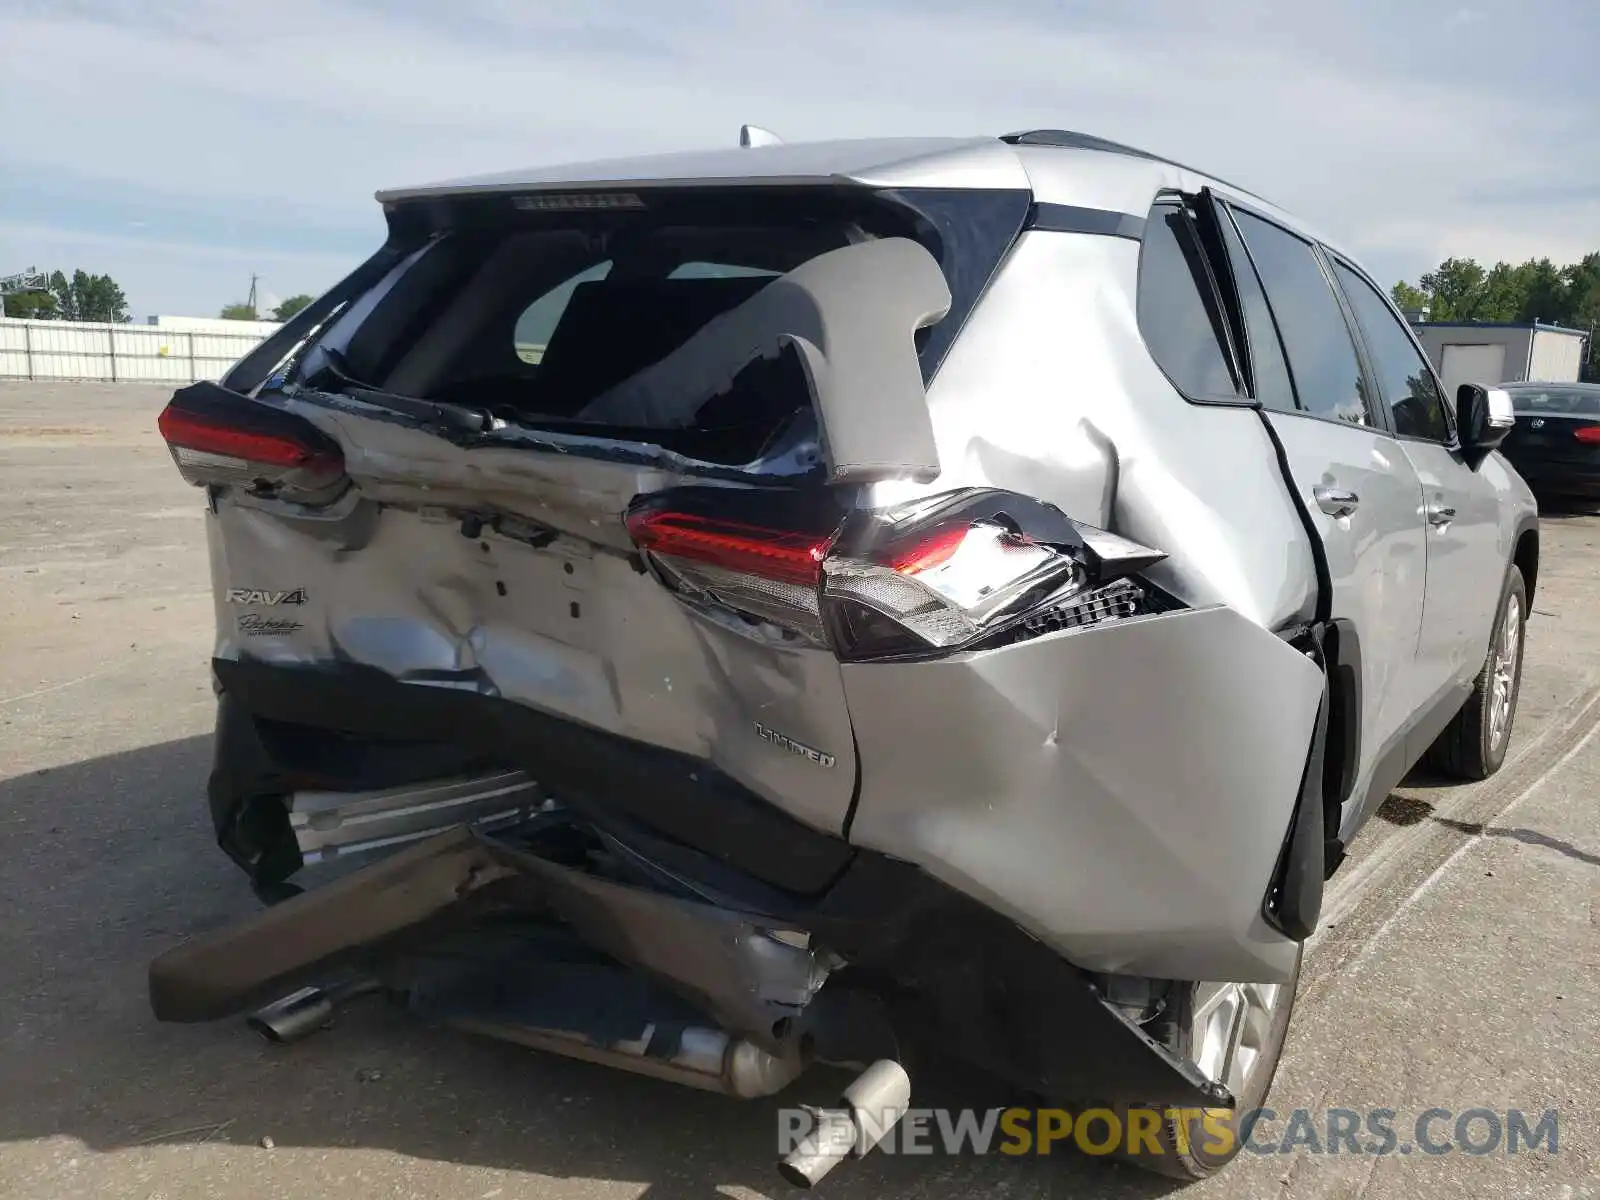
{"points": [[707, 1059], [300, 1014], [869, 1108]]}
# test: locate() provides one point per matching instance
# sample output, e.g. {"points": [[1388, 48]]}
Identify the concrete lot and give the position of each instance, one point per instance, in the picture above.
{"points": [[1459, 968]]}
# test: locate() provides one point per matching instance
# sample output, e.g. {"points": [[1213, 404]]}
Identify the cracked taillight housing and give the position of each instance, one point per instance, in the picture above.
{"points": [[932, 577], [220, 439], [948, 586]]}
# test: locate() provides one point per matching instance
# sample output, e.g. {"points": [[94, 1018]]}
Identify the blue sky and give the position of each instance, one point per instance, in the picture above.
{"points": [[186, 145]]}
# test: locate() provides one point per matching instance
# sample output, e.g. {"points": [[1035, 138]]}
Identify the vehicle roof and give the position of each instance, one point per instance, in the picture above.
{"points": [[1545, 385], [1057, 166]]}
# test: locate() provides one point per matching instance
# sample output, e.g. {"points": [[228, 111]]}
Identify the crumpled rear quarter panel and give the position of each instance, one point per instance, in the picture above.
{"points": [[1121, 791]]}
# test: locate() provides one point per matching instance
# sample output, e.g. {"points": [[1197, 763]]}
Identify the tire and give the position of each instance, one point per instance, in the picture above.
{"points": [[1473, 746], [1190, 1148]]}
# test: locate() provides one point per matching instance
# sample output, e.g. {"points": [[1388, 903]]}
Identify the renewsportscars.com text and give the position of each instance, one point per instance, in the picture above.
{"points": [[1431, 1132]]}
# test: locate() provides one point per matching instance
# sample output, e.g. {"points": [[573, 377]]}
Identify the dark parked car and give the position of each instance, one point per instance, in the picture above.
{"points": [[1555, 444]]}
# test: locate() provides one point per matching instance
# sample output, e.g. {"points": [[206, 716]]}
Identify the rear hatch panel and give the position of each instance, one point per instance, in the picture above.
{"points": [[480, 551], [532, 612]]}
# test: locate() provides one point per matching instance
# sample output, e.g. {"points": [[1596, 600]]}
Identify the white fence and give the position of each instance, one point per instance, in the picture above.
{"points": [[119, 353]]}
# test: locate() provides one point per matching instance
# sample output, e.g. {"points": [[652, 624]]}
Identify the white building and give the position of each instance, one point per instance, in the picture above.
{"points": [[1493, 352]]}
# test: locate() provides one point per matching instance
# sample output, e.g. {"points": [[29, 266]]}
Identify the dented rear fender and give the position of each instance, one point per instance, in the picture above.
{"points": [[1123, 792]]}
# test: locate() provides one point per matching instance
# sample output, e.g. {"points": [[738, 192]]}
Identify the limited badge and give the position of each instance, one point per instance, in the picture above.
{"points": [[784, 742]]}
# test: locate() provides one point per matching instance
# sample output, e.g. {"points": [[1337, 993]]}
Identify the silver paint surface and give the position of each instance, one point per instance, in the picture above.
{"points": [[1050, 392], [1377, 562], [886, 162], [578, 633], [1122, 791]]}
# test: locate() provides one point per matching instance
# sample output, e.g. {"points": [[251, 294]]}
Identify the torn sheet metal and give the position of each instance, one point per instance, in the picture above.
{"points": [[267, 955], [725, 963], [852, 315], [1174, 742]]}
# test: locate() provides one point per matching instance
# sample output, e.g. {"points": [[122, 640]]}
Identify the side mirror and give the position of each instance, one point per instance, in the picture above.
{"points": [[1483, 418]]}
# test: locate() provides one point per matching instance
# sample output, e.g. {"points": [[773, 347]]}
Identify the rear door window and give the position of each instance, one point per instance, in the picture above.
{"points": [[1322, 355], [1272, 385], [1403, 374], [1179, 313]]}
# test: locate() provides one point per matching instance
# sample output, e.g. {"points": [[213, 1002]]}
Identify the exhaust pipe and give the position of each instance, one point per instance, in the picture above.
{"points": [[300, 1014], [707, 1059], [869, 1108]]}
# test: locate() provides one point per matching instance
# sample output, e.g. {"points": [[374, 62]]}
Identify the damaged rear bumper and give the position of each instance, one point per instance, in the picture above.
{"points": [[521, 936], [1081, 817]]}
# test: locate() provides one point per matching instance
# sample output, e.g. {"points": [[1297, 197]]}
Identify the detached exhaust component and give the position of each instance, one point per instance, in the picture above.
{"points": [[709, 1060], [300, 1014], [868, 1109]]}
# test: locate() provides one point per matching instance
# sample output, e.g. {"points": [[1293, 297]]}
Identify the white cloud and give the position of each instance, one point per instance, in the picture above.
{"points": [[1374, 122]]}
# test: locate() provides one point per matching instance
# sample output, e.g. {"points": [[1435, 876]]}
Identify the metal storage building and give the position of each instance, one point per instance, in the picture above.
{"points": [[1492, 352]]}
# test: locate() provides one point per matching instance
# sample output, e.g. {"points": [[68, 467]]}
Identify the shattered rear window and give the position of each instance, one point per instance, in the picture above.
{"points": [[535, 325], [544, 317]]}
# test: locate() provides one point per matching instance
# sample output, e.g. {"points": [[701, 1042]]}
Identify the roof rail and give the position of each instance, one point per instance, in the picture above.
{"points": [[1067, 139]]}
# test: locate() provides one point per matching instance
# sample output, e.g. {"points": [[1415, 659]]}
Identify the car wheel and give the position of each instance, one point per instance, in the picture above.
{"points": [[1234, 1034], [1473, 746]]}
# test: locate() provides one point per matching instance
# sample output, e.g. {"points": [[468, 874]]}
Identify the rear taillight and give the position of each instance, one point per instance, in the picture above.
{"points": [[770, 571], [1589, 435], [775, 554], [936, 576], [221, 439]]}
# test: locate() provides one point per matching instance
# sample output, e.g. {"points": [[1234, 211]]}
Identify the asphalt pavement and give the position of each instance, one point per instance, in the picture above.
{"points": [[1458, 968]]}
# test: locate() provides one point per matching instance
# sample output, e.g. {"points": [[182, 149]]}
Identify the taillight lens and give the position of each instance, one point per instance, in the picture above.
{"points": [[932, 577], [220, 439], [1589, 435], [775, 554], [769, 570]]}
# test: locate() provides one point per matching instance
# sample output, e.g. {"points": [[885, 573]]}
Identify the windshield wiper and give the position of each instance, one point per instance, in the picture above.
{"points": [[453, 417]]}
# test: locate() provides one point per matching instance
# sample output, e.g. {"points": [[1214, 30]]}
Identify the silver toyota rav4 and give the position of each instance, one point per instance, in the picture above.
{"points": [[839, 603]]}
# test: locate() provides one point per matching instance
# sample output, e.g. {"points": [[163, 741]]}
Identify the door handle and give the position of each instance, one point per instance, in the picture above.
{"points": [[1440, 514], [1336, 502]]}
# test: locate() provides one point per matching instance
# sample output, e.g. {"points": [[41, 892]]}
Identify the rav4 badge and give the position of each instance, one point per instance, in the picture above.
{"points": [[260, 596]]}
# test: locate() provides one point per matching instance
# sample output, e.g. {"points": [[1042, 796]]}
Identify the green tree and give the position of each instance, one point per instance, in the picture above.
{"points": [[31, 306], [1504, 289], [1544, 293], [87, 297], [1583, 289], [1456, 287], [238, 312], [291, 306], [1537, 290], [1408, 298]]}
